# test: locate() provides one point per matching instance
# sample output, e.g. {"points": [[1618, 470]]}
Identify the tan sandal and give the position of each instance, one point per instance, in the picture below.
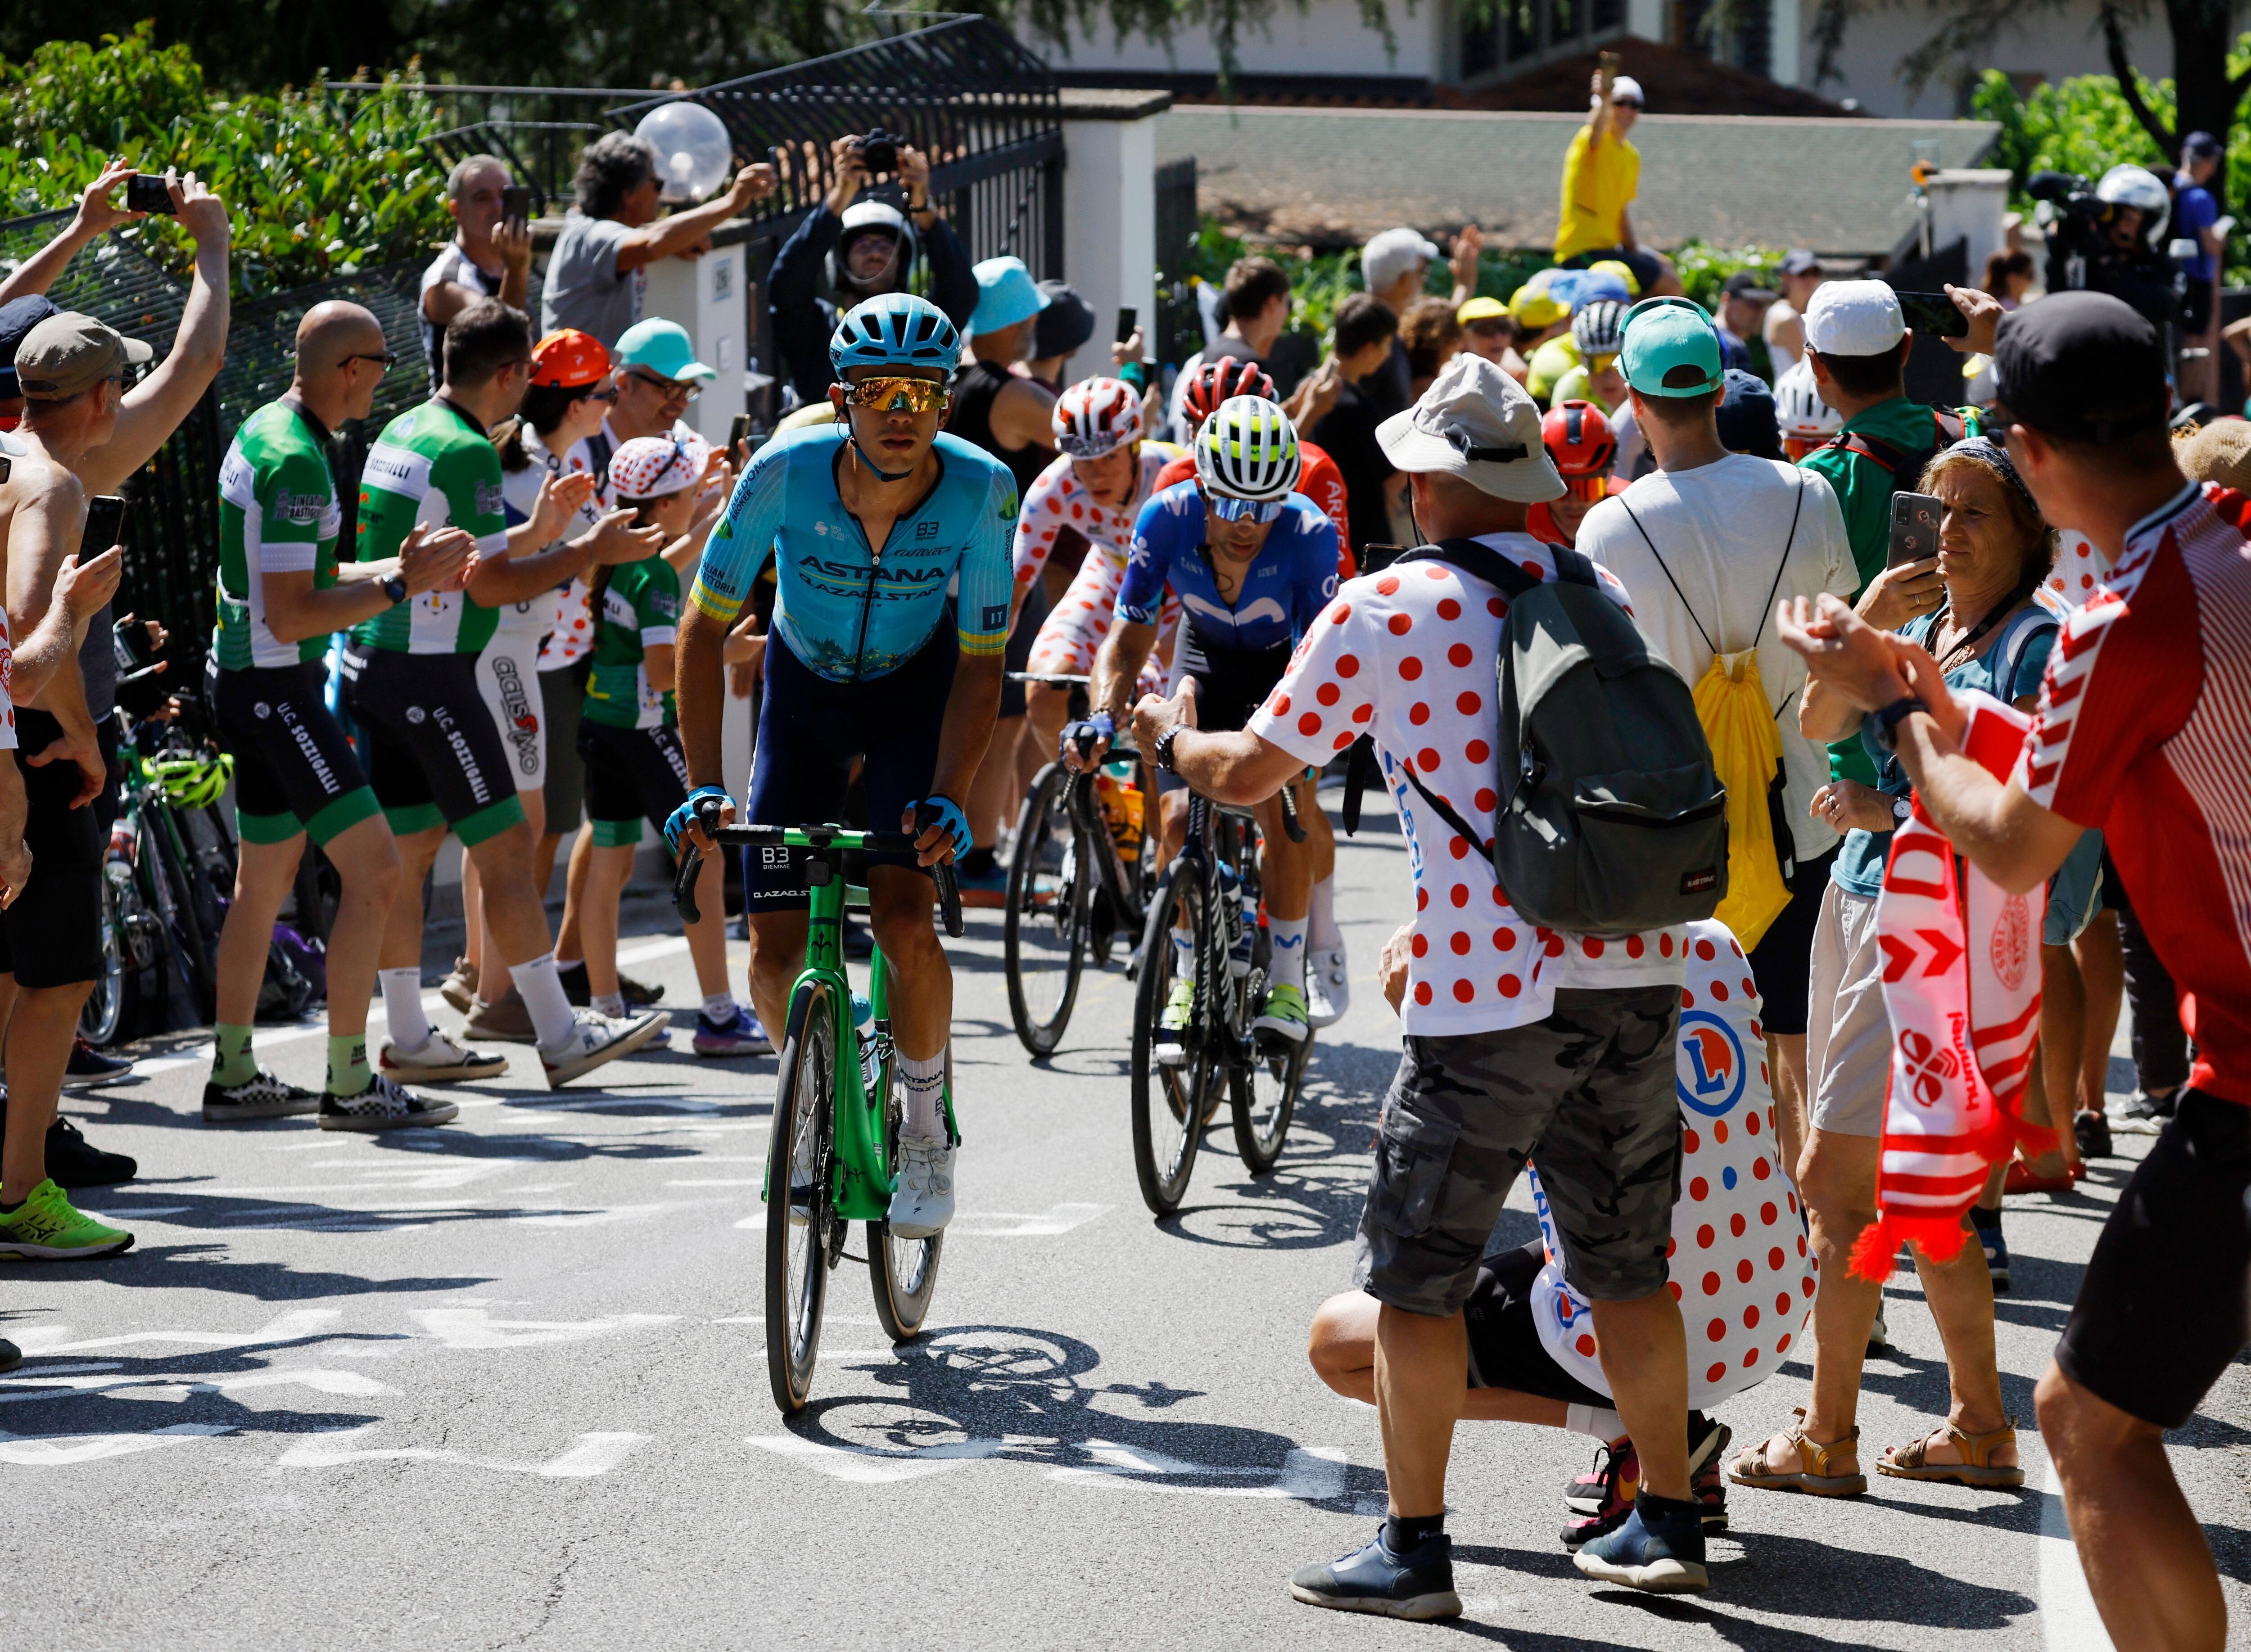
{"points": [[1912, 1460], [1749, 1468]]}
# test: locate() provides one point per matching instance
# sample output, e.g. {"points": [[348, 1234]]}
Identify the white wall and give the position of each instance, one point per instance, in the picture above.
{"points": [[1110, 228], [706, 295], [2058, 44], [1328, 38]]}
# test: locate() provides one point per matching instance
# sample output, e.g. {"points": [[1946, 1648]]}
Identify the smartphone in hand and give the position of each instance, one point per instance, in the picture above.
{"points": [[105, 526], [515, 207], [1933, 313], [1914, 529], [738, 432], [147, 192], [1128, 319]]}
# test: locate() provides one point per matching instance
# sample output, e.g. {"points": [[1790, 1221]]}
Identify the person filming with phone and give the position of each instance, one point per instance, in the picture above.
{"points": [[490, 255], [859, 246]]}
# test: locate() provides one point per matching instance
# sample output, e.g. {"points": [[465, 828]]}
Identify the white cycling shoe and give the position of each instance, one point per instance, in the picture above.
{"points": [[922, 1204], [1328, 986]]}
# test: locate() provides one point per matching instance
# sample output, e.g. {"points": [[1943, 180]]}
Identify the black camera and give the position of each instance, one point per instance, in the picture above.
{"points": [[2084, 252], [880, 150]]}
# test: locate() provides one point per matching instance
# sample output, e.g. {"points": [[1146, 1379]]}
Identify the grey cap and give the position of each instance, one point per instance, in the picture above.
{"points": [[68, 353]]}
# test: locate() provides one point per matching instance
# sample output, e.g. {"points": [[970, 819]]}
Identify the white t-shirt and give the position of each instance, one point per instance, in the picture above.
{"points": [[529, 620], [1407, 657], [452, 264], [1741, 1269], [1720, 528]]}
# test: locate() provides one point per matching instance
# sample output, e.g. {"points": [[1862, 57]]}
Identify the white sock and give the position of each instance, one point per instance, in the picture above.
{"points": [[720, 1006], [551, 1020], [1322, 931], [402, 1007], [1289, 937], [607, 1003], [924, 1083], [1184, 954], [1602, 1423]]}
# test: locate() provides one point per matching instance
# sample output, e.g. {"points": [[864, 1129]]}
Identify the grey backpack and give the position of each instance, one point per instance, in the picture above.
{"points": [[1612, 818]]}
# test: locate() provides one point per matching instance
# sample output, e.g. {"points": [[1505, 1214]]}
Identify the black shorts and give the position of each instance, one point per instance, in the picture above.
{"points": [[1018, 654], [1504, 1347], [562, 698], [51, 934], [1230, 684], [295, 768], [633, 774], [810, 730], [1782, 963], [2160, 1311], [434, 754]]}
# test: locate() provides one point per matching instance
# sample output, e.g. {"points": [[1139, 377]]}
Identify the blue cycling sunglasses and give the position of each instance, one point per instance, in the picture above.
{"points": [[1229, 509]]}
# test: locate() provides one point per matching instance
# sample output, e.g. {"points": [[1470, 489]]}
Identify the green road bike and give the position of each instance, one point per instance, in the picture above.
{"points": [[838, 1108]]}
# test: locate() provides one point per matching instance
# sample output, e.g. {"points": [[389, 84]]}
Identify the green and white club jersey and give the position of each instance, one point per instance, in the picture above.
{"points": [[277, 513], [432, 465]]}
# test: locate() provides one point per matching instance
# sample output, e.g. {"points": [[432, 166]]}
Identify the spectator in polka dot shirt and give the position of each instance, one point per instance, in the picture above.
{"points": [[1518, 1040]]}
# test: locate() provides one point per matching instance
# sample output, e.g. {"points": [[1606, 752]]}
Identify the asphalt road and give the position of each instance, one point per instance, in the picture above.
{"points": [[503, 1384]]}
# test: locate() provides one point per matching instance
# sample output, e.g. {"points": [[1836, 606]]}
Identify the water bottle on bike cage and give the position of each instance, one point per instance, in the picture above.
{"points": [[863, 1033], [1121, 801], [1230, 905]]}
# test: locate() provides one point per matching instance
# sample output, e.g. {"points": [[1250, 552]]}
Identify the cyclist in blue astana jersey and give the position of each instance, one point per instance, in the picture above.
{"points": [[868, 521], [1252, 562]]}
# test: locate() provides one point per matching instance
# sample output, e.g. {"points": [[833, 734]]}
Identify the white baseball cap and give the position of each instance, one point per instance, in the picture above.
{"points": [[1392, 254], [1853, 318], [1626, 89]]}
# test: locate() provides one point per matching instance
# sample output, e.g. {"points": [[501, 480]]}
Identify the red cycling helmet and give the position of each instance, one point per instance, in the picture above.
{"points": [[569, 359], [1578, 439], [1220, 381]]}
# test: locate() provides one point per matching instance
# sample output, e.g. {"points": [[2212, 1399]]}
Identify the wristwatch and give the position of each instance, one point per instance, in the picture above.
{"points": [[1889, 719], [1163, 752], [394, 588], [1902, 807]]}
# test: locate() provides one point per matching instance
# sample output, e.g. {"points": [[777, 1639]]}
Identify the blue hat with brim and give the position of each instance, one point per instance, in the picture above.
{"points": [[1670, 348], [1006, 295]]}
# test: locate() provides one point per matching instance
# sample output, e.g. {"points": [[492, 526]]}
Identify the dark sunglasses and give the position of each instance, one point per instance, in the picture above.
{"points": [[388, 358], [591, 393], [665, 386]]}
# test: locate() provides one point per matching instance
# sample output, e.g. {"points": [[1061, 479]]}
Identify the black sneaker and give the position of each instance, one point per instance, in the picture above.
{"points": [[1417, 1585], [10, 1355], [72, 1163], [381, 1105], [89, 1066], [2093, 1132], [264, 1097], [2142, 1114], [1660, 1549], [638, 995]]}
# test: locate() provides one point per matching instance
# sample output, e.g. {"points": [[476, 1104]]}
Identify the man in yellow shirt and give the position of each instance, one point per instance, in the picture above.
{"points": [[1602, 172]]}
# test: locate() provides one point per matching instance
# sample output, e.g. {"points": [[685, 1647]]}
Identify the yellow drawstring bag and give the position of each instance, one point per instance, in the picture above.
{"points": [[1732, 705]]}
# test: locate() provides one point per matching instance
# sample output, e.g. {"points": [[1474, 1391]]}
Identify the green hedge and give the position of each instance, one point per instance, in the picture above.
{"points": [[315, 188]]}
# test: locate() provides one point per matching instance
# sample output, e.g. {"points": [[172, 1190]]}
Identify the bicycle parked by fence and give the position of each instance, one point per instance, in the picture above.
{"points": [[1080, 875], [838, 1108], [1210, 895]]}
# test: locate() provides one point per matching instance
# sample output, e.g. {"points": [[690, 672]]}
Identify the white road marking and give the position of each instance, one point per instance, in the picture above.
{"points": [[476, 1328], [54, 1451], [1057, 1219], [593, 1454], [873, 1467], [174, 1389], [722, 1181], [1310, 1474], [134, 1213], [1313, 1474], [287, 1327], [2068, 1620]]}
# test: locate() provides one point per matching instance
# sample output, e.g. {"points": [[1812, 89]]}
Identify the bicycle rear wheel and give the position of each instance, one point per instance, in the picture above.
{"points": [[1170, 1100], [104, 1010], [1265, 1096], [1044, 931], [800, 1218], [904, 1271]]}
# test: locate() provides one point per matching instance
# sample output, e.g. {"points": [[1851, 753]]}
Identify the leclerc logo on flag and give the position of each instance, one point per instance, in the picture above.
{"points": [[1710, 1075]]}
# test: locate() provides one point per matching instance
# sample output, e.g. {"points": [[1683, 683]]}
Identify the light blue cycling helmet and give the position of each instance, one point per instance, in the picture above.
{"points": [[894, 330]]}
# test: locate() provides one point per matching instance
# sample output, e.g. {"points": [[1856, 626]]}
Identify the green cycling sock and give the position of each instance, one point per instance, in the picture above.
{"points": [[232, 1062], [348, 1074]]}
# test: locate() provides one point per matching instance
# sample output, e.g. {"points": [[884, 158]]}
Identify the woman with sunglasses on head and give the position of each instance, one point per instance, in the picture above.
{"points": [[1253, 562]]}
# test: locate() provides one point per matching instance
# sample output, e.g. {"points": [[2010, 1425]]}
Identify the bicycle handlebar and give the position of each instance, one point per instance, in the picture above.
{"points": [[811, 837]]}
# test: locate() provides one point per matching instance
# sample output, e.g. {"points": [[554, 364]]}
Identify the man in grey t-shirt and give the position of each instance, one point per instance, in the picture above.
{"points": [[598, 269]]}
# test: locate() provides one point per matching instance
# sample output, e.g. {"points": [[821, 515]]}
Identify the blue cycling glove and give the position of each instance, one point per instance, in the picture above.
{"points": [[1100, 726], [949, 817], [679, 820]]}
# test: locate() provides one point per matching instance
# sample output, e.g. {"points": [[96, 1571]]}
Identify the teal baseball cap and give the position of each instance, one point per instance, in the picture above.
{"points": [[1006, 295], [1670, 348], [663, 348]]}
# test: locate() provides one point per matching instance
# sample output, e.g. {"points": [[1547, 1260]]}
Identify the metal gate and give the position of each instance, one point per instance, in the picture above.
{"points": [[1180, 330]]}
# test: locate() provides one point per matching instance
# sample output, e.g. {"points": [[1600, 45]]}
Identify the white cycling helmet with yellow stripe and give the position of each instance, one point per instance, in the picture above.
{"points": [[1248, 449]]}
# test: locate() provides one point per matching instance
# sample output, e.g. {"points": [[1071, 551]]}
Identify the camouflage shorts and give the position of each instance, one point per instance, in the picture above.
{"points": [[1588, 1092]]}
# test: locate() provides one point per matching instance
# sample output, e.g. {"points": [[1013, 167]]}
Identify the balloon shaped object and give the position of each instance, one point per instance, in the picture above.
{"points": [[693, 153]]}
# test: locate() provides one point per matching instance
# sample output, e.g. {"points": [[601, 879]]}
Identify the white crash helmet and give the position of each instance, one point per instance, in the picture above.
{"points": [[2127, 184], [859, 218], [1798, 407]]}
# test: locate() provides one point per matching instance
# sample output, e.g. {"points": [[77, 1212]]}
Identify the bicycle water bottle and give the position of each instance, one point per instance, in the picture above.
{"points": [[863, 1033], [1230, 905]]}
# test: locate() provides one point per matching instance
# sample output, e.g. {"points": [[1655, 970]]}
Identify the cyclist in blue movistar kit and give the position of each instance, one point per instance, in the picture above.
{"points": [[1253, 563], [868, 521]]}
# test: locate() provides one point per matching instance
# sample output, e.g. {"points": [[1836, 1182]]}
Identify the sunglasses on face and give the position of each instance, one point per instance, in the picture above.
{"points": [[1083, 447], [1587, 488], [667, 388], [899, 395], [595, 393], [1230, 509], [388, 358]]}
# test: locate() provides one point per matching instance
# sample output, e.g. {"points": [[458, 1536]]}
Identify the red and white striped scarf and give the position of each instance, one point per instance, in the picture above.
{"points": [[1961, 986]]}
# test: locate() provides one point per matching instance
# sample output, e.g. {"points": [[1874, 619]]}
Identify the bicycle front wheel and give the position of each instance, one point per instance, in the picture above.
{"points": [[801, 1223], [1044, 931], [1265, 1096], [1171, 1078], [904, 1271]]}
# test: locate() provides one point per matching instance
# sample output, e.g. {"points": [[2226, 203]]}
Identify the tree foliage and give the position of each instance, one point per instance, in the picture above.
{"points": [[314, 188]]}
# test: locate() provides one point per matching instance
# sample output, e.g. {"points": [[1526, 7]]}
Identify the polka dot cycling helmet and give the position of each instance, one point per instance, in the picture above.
{"points": [[1216, 382], [1578, 439], [1598, 328], [1097, 416], [897, 329], [1248, 449], [1798, 407]]}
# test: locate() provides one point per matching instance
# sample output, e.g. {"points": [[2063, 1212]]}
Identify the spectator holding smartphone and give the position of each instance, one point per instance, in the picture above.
{"points": [[488, 257], [598, 269], [863, 248]]}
